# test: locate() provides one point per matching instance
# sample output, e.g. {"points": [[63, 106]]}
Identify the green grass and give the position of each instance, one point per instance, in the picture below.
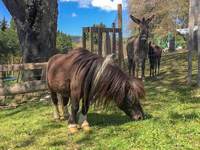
{"points": [[172, 121]]}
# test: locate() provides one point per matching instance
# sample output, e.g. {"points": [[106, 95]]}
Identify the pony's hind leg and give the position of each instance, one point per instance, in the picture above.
{"points": [[83, 118], [54, 100], [65, 107]]}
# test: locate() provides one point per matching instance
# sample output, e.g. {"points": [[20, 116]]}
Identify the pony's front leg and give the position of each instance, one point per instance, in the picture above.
{"points": [[83, 118], [143, 69], [72, 123]]}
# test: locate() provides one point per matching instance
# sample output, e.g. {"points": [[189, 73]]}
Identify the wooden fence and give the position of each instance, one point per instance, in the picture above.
{"points": [[107, 49], [23, 87]]}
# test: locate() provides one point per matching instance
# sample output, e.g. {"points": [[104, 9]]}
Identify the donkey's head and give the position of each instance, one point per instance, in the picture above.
{"points": [[143, 27]]}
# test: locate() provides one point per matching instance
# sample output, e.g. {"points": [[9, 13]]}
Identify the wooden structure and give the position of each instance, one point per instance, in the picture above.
{"points": [[23, 87], [100, 31], [40, 85]]}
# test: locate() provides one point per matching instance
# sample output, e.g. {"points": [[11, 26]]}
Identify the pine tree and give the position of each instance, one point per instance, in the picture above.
{"points": [[4, 24]]}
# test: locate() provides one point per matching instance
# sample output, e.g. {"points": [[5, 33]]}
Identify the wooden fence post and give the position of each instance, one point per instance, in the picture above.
{"points": [[114, 41], [104, 47], [83, 38], [108, 46], [91, 39], [99, 42], [120, 49], [1, 78], [2, 98]]}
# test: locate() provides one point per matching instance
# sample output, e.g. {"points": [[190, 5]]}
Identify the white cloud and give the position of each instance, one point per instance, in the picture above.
{"points": [[74, 15], [106, 5]]}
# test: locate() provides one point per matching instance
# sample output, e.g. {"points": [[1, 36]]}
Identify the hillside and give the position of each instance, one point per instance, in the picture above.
{"points": [[172, 118]]}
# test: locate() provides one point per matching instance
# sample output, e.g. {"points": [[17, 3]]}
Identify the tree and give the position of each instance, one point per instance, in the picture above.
{"points": [[190, 39], [36, 22], [63, 42], [4, 24], [9, 43], [95, 35], [12, 24], [166, 12]]}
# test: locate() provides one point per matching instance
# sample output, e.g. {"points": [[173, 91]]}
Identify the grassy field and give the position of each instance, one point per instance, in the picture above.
{"points": [[172, 119]]}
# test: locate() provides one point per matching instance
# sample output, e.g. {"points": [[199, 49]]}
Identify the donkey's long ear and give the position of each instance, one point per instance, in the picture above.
{"points": [[135, 19], [150, 43], [149, 19]]}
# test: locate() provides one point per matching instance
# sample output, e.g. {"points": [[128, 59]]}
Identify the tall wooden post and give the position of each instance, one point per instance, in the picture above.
{"points": [[108, 47], [120, 49], [2, 98], [190, 40], [91, 39], [1, 74], [99, 42], [114, 41], [198, 75], [83, 38]]}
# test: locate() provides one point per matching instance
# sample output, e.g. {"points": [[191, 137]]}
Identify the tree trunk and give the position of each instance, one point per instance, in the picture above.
{"points": [[172, 44], [198, 75], [36, 22], [190, 40]]}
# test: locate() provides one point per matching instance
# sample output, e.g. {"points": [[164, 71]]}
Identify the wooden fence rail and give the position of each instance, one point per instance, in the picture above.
{"points": [[23, 87]]}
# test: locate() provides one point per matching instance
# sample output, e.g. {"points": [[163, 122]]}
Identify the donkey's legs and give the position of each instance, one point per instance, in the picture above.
{"points": [[143, 69], [55, 103], [65, 107], [155, 66], [130, 63], [136, 66], [83, 118], [72, 123], [158, 66], [150, 69]]}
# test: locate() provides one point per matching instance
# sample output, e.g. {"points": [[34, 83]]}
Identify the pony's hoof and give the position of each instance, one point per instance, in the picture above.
{"points": [[57, 119], [73, 130], [86, 128]]}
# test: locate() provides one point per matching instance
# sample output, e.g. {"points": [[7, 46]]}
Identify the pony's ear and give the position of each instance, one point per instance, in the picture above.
{"points": [[135, 19], [149, 19]]}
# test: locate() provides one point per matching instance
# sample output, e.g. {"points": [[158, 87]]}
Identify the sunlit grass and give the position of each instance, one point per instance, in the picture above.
{"points": [[172, 112]]}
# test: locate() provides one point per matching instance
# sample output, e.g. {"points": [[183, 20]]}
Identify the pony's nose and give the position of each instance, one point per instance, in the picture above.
{"points": [[137, 117]]}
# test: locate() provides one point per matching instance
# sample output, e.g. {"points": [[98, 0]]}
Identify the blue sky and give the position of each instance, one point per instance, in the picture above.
{"points": [[75, 14]]}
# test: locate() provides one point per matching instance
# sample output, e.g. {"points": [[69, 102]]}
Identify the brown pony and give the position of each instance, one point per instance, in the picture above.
{"points": [[154, 58], [137, 47], [82, 75]]}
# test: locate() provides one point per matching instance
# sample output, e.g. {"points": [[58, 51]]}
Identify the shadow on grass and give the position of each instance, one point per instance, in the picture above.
{"points": [[24, 108], [176, 115], [103, 120]]}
